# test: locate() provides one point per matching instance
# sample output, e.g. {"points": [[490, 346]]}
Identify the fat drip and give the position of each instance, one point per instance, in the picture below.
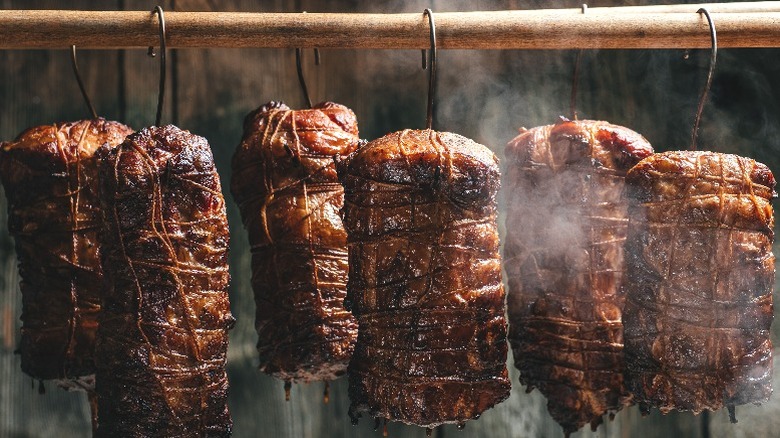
{"points": [[425, 279], [50, 177], [285, 183], [566, 225], [162, 341], [700, 273]]}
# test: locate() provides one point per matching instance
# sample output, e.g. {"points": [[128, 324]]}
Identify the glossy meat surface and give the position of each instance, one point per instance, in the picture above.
{"points": [[285, 183], [50, 177], [566, 225], [425, 279], [700, 273], [162, 341]]}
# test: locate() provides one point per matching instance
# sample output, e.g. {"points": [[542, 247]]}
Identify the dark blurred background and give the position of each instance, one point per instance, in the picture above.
{"points": [[485, 95]]}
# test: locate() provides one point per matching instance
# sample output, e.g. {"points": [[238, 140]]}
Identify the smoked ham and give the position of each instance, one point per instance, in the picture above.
{"points": [[566, 225], [162, 340], [50, 177], [699, 279], [285, 183], [425, 279]]}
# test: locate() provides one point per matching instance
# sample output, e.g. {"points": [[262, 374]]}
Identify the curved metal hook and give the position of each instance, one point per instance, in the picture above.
{"points": [[81, 83], [161, 93], [575, 78], [706, 90], [431, 65], [299, 66]]}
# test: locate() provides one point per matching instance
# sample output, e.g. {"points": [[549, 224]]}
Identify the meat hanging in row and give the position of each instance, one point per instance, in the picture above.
{"points": [[699, 279], [425, 279], [285, 183], [563, 256], [50, 177], [162, 340]]}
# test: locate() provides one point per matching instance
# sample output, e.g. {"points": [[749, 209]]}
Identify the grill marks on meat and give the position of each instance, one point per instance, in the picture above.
{"points": [[162, 341], [566, 225], [285, 182], [700, 273], [425, 279], [49, 173]]}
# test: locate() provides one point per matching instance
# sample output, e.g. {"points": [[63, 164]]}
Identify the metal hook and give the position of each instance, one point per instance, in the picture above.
{"points": [[299, 66], [161, 93], [431, 67], [575, 78], [81, 83], [705, 91]]}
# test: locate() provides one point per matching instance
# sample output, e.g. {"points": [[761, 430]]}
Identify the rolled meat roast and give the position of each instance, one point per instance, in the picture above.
{"points": [[162, 340], [566, 225], [699, 280], [50, 177], [425, 279], [285, 183]]}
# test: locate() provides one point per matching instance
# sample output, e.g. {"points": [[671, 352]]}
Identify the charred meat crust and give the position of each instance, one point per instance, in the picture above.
{"points": [[566, 224], [162, 341], [425, 279], [285, 183], [700, 273], [50, 177]]}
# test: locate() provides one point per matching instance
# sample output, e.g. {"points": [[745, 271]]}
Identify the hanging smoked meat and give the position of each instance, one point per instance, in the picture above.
{"points": [[50, 178], [566, 225], [700, 273], [285, 183], [162, 341], [425, 279]]}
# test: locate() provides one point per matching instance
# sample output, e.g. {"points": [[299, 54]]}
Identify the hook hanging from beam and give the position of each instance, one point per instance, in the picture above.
{"points": [[575, 78], [301, 79], [431, 66], [84, 94], [708, 84], [161, 90]]}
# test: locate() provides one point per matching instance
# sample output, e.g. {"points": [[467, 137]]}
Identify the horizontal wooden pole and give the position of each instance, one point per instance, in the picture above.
{"points": [[733, 7], [541, 29]]}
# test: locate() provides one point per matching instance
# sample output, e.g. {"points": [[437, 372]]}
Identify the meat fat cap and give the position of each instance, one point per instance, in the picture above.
{"points": [[460, 167], [673, 164], [591, 143]]}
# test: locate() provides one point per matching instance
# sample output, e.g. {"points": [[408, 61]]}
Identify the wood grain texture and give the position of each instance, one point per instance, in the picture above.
{"points": [[455, 30], [484, 95]]}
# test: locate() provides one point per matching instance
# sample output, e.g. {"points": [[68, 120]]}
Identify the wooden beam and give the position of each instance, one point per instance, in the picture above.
{"points": [[544, 29], [733, 7]]}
